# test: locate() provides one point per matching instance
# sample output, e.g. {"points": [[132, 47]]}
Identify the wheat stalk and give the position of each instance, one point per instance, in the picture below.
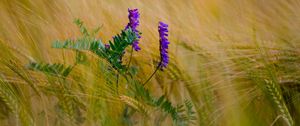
{"points": [[276, 95]]}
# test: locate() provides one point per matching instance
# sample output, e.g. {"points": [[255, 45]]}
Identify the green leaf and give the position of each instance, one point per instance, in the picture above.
{"points": [[81, 58], [82, 28], [113, 54], [52, 69]]}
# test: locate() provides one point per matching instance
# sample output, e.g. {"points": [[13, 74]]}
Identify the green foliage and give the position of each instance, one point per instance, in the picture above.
{"points": [[182, 114], [187, 114], [72, 107], [82, 28], [81, 44], [113, 54], [117, 48], [51, 69], [81, 58]]}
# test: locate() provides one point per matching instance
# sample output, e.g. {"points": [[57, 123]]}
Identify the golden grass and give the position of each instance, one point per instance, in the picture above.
{"points": [[220, 52]]}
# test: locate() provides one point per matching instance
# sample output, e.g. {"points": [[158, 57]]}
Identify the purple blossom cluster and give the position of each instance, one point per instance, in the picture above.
{"points": [[163, 36], [133, 24], [164, 42], [107, 46]]}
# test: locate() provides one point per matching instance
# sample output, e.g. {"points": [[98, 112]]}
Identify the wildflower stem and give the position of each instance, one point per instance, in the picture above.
{"points": [[128, 64], [152, 74], [117, 86]]}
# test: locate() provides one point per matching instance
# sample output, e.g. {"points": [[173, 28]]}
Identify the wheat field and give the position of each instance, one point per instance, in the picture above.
{"points": [[232, 63]]}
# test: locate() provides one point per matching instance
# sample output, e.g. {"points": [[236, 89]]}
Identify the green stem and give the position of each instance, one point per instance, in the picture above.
{"points": [[131, 52], [151, 75], [128, 64]]}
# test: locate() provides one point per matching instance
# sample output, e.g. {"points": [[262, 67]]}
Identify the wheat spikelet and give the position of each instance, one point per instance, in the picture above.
{"points": [[276, 95], [135, 104], [15, 102]]}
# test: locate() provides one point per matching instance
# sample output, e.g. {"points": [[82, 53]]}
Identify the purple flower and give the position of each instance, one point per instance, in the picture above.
{"points": [[107, 46], [164, 42], [133, 24]]}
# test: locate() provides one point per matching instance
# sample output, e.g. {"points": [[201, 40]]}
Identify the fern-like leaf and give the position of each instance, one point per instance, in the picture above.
{"points": [[113, 54], [52, 69]]}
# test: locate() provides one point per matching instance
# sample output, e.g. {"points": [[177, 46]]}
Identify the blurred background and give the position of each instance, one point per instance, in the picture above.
{"points": [[237, 61]]}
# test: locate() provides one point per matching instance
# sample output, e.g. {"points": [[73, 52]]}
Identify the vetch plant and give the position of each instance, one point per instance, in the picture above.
{"points": [[134, 22], [235, 70], [113, 53], [163, 48], [163, 42]]}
